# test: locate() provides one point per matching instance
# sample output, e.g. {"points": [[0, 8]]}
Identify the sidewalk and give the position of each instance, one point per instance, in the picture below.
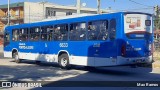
{"points": [[1, 48], [156, 64]]}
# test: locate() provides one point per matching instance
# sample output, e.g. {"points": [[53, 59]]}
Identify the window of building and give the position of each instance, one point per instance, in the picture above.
{"points": [[68, 13], [50, 12], [17, 12], [61, 32], [98, 30], [46, 33], [23, 34], [15, 35], [53, 13], [34, 33], [77, 31], [112, 32]]}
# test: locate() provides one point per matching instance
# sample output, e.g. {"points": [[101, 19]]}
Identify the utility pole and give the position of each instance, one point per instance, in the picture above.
{"points": [[43, 3], [29, 12], [98, 6], [8, 13], [78, 6]]}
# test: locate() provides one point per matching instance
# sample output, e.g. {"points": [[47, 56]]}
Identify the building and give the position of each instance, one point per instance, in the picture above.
{"points": [[27, 12], [16, 16], [157, 34]]}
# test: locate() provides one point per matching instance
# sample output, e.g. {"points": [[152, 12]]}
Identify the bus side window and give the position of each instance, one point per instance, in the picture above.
{"points": [[23, 34], [15, 35], [61, 32], [112, 31], [46, 33], [82, 30], [103, 30], [98, 30], [92, 30], [34, 33], [77, 31], [50, 33]]}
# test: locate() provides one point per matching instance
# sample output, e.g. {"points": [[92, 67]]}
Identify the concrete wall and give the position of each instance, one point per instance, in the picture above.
{"points": [[33, 12]]}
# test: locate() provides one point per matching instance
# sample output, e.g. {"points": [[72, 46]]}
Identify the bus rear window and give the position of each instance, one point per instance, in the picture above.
{"points": [[148, 22]]}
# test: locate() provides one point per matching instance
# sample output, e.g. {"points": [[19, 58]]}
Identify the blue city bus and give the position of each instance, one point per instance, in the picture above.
{"points": [[120, 38]]}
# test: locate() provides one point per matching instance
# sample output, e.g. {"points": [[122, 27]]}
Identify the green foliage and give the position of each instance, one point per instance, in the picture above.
{"points": [[157, 23]]}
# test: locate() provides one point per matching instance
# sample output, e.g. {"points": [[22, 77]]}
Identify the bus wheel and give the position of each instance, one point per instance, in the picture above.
{"points": [[64, 61], [16, 57]]}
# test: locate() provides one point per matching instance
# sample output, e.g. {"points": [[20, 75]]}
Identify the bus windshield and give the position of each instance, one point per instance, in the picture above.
{"points": [[138, 26]]}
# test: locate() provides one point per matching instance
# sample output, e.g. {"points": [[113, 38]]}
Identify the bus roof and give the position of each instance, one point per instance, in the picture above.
{"points": [[137, 13], [76, 16]]}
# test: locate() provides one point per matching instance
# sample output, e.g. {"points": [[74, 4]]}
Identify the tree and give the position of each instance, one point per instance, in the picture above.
{"points": [[157, 18]]}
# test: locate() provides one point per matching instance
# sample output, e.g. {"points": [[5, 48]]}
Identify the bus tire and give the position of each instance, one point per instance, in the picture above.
{"points": [[63, 61], [16, 57]]}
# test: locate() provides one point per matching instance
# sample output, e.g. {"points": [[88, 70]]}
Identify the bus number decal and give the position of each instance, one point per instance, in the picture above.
{"points": [[63, 45]]}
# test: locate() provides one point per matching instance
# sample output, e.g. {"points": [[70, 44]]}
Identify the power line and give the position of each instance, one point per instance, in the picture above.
{"points": [[140, 3]]}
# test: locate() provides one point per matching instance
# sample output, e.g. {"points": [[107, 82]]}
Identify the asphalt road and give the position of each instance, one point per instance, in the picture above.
{"points": [[29, 71]]}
